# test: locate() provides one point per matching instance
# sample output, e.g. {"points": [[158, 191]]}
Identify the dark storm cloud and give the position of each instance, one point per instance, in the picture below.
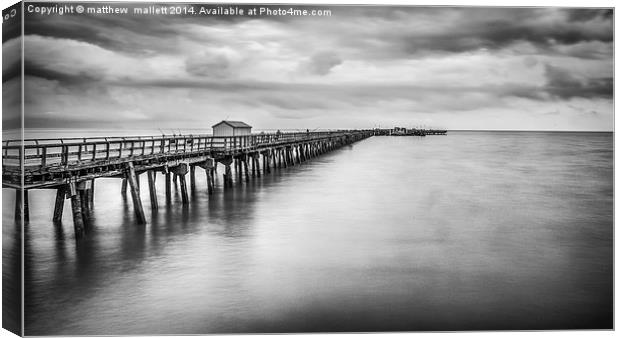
{"points": [[11, 72], [470, 29], [458, 30], [118, 33], [562, 84], [587, 14], [80, 78]]}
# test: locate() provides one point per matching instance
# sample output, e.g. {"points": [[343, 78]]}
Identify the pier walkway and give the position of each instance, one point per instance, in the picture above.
{"points": [[71, 165]]}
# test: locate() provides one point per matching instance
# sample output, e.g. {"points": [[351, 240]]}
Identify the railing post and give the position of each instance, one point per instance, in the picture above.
{"points": [[65, 155], [44, 157]]}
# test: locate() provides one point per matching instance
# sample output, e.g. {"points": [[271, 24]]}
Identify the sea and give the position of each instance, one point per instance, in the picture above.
{"points": [[467, 231]]}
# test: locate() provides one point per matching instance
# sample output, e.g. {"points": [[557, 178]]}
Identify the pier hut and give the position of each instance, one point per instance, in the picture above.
{"points": [[231, 128]]}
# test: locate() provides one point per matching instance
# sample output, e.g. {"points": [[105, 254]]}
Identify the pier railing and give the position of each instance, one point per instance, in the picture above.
{"points": [[43, 153]]}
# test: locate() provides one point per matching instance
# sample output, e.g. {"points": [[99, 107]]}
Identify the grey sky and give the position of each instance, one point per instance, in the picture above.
{"points": [[456, 68]]}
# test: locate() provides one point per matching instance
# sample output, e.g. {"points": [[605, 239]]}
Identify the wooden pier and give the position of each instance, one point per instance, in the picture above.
{"points": [[71, 166]]}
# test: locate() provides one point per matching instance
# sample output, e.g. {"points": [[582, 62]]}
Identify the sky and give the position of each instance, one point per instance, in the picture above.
{"points": [[361, 67]]}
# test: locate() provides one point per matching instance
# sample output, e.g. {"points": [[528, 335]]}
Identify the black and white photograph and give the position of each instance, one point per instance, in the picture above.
{"points": [[178, 168]]}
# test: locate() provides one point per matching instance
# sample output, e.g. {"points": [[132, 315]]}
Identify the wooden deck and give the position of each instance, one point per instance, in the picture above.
{"points": [[50, 162]]}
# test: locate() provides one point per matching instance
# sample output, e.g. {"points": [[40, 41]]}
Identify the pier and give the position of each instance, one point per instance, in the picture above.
{"points": [[71, 166]]}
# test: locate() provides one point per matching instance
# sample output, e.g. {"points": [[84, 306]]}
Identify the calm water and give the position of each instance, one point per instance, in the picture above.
{"points": [[474, 230]]}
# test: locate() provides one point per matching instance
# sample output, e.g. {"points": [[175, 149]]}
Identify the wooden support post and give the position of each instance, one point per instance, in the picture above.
{"points": [[135, 194], [152, 190], [209, 181], [192, 177], [60, 204], [179, 172], [245, 167], [76, 210], [18, 205], [124, 187], [264, 163], [280, 158], [228, 176], [212, 178], [239, 170], [91, 200], [273, 158], [21, 206], [253, 165], [83, 195], [168, 188], [184, 195], [86, 202], [256, 160], [26, 207]]}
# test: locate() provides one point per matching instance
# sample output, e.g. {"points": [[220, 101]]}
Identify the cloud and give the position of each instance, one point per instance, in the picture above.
{"points": [[587, 14], [216, 64], [322, 63], [423, 32], [363, 64], [563, 84], [11, 59]]}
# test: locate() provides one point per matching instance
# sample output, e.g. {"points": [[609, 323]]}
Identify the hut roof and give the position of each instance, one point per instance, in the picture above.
{"points": [[234, 124]]}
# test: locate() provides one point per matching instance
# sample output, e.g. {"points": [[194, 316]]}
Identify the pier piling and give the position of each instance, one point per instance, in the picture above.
{"points": [[76, 210], [21, 208], [124, 187], [152, 190], [209, 181], [245, 168], [192, 178], [59, 205], [168, 188], [135, 193]]}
